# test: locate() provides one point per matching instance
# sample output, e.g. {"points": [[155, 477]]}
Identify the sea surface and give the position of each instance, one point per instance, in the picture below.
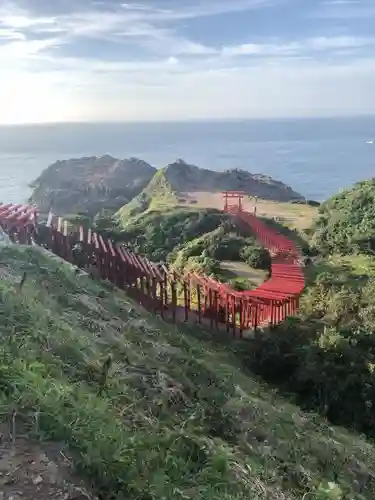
{"points": [[317, 157]]}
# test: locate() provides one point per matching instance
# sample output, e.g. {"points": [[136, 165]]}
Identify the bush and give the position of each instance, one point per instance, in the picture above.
{"points": [[157, 233], [347, 221], [229, 247], [256, 257]]}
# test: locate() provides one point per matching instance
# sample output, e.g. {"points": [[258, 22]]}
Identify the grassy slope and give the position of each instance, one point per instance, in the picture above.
{"points": [[157, 195], [178, 419], [160, 195]]}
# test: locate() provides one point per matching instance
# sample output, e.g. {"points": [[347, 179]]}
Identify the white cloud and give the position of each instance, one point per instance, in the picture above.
{"points": [[294, 89], [298, 47], [209, 8], [176, 78]]}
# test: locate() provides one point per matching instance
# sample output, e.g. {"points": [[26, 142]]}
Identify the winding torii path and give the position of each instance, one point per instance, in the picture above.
{"points": [[270, 303]]}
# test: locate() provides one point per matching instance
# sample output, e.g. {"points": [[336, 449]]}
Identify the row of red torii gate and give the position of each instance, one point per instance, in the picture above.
{"points": [[176, 297]]}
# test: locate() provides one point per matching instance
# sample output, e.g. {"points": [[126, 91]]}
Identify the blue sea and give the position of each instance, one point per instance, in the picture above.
{"points": [[317, 157]]}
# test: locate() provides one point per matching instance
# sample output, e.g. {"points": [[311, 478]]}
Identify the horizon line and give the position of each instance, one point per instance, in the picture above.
{"points": [[189, 121]]}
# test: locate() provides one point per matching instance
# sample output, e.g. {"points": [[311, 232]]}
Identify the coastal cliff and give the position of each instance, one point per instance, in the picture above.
{"points": [[92, 184]]}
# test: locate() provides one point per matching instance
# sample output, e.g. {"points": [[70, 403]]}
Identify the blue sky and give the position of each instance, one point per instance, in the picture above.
{"points": [[86, 60]]}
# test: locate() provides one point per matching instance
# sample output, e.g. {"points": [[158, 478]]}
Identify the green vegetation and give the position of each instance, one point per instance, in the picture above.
{"points": [[157, 195], [326, 357], [174, 417], [193, 239], [205, 253], [346, 222], [156, 233]]}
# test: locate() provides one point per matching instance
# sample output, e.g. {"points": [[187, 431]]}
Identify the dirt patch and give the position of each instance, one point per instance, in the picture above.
{"points": [[30, 471]]}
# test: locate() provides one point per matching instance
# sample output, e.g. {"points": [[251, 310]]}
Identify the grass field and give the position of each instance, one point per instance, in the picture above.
{"points": [[293, 215], [175, 417], [353, 266]]}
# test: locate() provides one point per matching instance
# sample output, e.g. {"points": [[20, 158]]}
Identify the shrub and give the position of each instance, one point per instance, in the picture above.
{"points": [[256, 256], [347, 221]]}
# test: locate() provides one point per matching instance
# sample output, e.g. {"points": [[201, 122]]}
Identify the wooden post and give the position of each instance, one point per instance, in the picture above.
{"points": [[227, 311], [233, 302], [199, 305], [186, 300], [174, 300], [210, 307], [189, 293], [272, 313], [216, 305], [241, 318], [154, 297], [164, 290]]}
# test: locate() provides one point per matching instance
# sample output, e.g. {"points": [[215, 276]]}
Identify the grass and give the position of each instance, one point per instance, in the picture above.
{"points": [[241, 276], [176, 417], [355, 269], [293, 215], [157, 195]]}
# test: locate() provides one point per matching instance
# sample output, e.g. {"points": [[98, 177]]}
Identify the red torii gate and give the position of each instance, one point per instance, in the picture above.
{"points": [[18, 221], [233, 195]]}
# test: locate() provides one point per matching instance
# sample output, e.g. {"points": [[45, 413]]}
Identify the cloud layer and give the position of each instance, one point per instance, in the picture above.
{"points": [[168, 60]]}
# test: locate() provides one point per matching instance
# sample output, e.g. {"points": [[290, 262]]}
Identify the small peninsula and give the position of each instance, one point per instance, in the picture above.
{"points": [[89, 184], [92, 184]]}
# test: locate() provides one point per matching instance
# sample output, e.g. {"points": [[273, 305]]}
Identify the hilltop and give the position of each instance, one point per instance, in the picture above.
{"points": [[90, 184], [180, 183], [93, 184], [177, 416], [185, 178]]}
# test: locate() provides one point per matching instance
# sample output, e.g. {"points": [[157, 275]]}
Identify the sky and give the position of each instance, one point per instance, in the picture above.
{"points": [[163, 60]]}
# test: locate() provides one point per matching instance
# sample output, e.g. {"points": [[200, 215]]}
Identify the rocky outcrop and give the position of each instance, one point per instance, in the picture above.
{"points": [[184, 178], [90, 184]]}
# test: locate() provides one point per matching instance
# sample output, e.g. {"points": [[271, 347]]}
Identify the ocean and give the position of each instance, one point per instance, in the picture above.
{"points": [[316, 157]]}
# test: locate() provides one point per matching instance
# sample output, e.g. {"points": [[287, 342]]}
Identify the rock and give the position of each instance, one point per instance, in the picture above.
{"points": [[180, 178], [90, 184], [37, 480], [93, 185], [183, 177]]}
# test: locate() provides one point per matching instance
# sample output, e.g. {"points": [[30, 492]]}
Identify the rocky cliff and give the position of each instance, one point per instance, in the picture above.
{"points": [[90, 184], [186, 178], [175, 183]]}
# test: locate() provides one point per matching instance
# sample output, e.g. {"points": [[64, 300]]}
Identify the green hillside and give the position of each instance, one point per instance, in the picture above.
{"points": [[195, 239], [346, 222], [326, 357], [156, 233], [158, 194], [176, 417]]}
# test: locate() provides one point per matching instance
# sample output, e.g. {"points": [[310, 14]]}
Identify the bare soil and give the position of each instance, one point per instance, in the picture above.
{"points": [[29, 471]]}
